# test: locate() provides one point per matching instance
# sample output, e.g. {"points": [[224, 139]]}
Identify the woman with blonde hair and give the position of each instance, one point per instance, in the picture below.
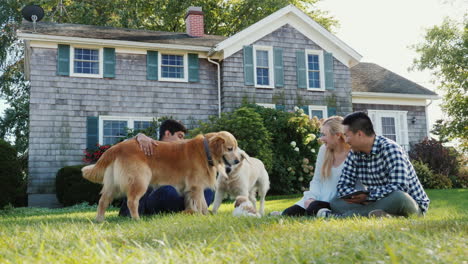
{"points": [[330, 162]]}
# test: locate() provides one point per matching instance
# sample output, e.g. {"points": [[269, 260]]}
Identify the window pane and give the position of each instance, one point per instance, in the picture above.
{"points": [[314, 79], [141, 125], [262, 76], [113, 131], [317, 113], [172, 66], [388, 128], [262, 58], [86, 61], [313, 62]]}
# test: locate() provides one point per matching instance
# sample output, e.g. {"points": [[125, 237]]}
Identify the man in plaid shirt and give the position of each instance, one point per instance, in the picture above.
{"points": [[383, 166]]}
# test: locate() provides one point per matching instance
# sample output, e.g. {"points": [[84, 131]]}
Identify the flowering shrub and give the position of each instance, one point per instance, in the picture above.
{"points": [[92, 156]]}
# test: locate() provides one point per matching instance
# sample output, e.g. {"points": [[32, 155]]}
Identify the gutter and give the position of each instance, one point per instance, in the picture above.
{"points": [[219, 85]]}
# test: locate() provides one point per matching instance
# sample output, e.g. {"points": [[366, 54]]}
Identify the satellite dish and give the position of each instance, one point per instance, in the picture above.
{"points": [[32, 13]]}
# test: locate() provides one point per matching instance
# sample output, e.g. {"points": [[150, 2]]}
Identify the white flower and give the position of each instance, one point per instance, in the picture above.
{"points": [[301, 111], [289, 169], [312, 150], [301, 179], [293, 144], [296, 108], [296, 149]]}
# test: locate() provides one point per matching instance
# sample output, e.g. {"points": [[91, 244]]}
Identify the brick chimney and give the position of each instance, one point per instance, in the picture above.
{"points": [[194, 22]]}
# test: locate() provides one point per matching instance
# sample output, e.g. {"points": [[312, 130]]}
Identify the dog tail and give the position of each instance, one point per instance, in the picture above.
{"points": [[95, 173]]}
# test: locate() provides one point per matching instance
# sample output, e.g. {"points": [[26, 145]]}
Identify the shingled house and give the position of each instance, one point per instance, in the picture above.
{"points": [[88, 83]]}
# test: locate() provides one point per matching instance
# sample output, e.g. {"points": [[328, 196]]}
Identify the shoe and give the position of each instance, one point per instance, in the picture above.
{"points": [[275, 213], [379, 213], [327, 213]]}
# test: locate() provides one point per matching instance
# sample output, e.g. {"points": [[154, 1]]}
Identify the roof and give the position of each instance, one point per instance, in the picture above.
{"points": [[371, 78], [119, 34], [300, 21]]}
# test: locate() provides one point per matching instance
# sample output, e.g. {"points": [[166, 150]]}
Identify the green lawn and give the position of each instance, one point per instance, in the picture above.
{"points": [[70, 236]]}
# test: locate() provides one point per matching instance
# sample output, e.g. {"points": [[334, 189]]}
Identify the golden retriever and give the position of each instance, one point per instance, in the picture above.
{"points": [[246, 178], [124, 168]]}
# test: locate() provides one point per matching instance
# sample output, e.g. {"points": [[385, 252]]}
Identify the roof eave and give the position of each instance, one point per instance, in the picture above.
{"points": [[395, 95]]}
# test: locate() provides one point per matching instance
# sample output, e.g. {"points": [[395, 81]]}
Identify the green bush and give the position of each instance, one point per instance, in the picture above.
{"points": [[72, 188], [460, 180], [423, 172], [440, 181], [440, 159], [12, 179]]}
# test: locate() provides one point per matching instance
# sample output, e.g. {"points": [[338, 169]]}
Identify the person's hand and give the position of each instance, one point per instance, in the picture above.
{"points": [[146, 144], [307, 202], [357, 199]]}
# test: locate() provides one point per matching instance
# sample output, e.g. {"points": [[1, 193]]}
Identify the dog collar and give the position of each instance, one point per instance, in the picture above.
{"points": [[207, 152]]}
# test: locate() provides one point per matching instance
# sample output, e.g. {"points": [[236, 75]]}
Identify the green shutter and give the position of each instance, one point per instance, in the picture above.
{"points": [[306, 109], [280, 107], [152, 65], [248, 66], [92, 132], [301, 69], [278, 63], [328, 61], [193, 75], [109, 63], [331, 111], [63, 60]]}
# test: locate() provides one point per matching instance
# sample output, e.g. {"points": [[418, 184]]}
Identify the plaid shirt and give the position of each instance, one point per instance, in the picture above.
{"points": [[386, 169]]}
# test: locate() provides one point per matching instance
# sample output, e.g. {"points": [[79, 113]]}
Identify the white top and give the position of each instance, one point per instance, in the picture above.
{"points": [[323, 190]]}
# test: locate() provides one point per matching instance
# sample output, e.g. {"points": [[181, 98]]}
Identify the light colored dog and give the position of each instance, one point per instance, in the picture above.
{"points": [[246, 178], [244, 207], [190, 166]]}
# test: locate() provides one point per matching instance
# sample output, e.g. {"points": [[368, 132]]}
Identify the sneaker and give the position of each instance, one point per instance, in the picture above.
{"points": [[275, 213], [325, 213], [379, 213]]}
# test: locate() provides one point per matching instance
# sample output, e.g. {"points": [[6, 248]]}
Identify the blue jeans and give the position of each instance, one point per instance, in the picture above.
{"points": [[164, 199]]}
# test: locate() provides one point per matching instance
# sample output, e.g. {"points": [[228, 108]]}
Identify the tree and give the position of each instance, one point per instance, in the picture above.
{"points": [[444, 52], [221, 18]]}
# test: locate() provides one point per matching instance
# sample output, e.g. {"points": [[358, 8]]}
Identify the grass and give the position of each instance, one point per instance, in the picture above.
{"points": [[69, 235]]}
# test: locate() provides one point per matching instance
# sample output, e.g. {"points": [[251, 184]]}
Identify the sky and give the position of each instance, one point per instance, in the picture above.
{"points": [[382, 31]]}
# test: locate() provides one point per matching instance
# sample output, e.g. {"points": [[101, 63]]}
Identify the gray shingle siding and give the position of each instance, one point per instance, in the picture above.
{"points": [[416, 131], [290, 40], [60, 105]]}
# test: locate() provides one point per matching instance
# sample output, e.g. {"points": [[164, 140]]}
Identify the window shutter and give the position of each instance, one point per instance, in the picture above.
{"points": [[301, 69], [152, 65], [109, 63], [248, 66], [63, 60], [193, 75], [331, 111], [278, 64], [92, 132], [402, 128], [306, 110], [328, 61], [279, 107]]}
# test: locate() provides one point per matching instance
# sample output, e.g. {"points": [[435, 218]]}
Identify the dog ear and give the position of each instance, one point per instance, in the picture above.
{"points": [[216, 146], [244, 155]]}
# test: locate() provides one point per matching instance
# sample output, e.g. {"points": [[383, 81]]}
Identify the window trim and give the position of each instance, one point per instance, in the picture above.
{"points": [[377, 122], [86, 75], [271, 106], [130, 123], [322, 108], [321, 67], [271, 67], [165, 79]]}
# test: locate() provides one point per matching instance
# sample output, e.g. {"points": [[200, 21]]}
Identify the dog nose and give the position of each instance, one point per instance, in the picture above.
{"points": [[228, 169], [236, 161]]}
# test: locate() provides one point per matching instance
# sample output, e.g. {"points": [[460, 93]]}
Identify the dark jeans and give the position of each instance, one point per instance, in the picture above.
{"points": [[311, 210], [164, 199]]}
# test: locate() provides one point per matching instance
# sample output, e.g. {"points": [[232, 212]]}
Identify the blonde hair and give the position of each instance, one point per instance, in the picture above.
{"points": [[335, 126]]}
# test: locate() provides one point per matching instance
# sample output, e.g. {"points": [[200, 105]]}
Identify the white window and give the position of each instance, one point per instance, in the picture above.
{"points": [[392, 125], [86, 62], [320, 111], [114, 128], [173, 67], [315, 70], [263, 65], [272, 106]]}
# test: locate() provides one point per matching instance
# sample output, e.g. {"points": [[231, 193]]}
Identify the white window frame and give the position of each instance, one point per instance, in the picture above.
{"points": [[165, 79], [272, 106], [271, 75], [86, 75], [401, 124], [130, 123], [322, 108], [321, 66]]}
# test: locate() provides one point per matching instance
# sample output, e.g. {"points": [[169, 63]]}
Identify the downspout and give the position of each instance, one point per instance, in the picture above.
{"points": [[427, 119], [219, 84]]}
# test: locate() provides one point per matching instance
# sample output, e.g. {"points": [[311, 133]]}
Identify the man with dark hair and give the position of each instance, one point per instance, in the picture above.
{"points": [[164, 199], [383, 166]]}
